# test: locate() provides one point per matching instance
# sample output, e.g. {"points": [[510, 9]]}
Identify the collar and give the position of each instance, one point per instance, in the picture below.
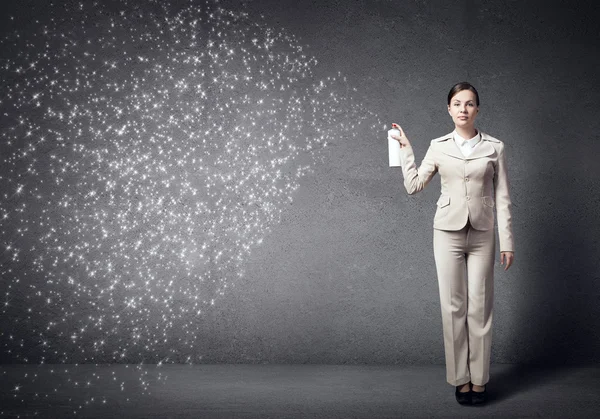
{"points": [[484, 137], [447, 146]]}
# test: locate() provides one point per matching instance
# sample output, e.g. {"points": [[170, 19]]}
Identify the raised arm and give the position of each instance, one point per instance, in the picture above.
{"points": [[415, 179]]}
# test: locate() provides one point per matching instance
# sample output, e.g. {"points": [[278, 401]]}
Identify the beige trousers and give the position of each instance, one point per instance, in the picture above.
{"points": [[465, 268]]}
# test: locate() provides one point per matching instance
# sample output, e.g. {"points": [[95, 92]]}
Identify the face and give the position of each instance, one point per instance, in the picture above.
{"points": [[463, 108]]}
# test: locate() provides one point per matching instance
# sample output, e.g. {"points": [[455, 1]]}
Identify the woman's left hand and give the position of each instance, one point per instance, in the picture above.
{"points": [[509, 257]]}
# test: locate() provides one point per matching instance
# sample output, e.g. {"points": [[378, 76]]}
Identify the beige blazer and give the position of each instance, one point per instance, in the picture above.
{"points": [[471, 186]]}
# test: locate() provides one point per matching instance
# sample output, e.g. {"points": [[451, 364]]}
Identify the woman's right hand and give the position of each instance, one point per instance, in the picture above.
{"points": [[401, 138]]}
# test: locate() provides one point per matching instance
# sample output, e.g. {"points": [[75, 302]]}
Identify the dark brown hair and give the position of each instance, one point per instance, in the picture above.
{"points": [[462, 86]]}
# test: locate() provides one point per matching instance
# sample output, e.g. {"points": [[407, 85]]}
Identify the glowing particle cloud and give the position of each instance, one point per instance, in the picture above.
{"points": [[145, 151]]}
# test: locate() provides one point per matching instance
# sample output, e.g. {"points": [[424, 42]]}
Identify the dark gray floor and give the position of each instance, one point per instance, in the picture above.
{"points": [[289, 391]]}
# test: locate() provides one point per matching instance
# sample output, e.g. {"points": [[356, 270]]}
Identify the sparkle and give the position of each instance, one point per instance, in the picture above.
{"points": [[143, 159]]}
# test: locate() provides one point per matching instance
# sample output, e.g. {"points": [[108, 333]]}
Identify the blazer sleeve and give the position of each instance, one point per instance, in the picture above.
{"points": [[503, 203], [416, 179]]}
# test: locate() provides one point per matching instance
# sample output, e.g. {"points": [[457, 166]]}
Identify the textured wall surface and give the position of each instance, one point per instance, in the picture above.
{"points": [[347, 273]]}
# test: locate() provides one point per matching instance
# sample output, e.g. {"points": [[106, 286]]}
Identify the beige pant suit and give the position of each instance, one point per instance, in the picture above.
{"points": [[464, 244]]}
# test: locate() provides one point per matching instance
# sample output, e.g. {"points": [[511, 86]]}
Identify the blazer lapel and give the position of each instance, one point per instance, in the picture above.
{"points": [[449, 147], [484, 148]]}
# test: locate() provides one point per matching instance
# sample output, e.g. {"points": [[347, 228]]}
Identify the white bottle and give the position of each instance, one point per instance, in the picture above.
{"points": [[394, 149]]}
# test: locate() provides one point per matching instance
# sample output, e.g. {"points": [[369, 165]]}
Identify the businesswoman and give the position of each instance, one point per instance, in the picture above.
{"points": [[472, 167]]}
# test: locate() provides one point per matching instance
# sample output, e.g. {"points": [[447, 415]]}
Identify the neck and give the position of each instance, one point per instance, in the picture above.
{"points": [[466, 132]]}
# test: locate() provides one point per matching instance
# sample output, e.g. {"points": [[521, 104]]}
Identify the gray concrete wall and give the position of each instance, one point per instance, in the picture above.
{"points": [[347, 274]]}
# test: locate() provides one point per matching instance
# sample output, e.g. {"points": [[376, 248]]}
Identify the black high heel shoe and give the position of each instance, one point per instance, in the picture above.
{"points": [[479, 397], [463, 397]]}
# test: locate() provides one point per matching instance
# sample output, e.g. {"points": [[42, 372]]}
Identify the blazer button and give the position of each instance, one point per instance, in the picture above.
{"points": [[468, 198], [466, 179]]}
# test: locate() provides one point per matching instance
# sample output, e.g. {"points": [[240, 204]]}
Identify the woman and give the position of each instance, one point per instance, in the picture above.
{"points": [[474, 180]]}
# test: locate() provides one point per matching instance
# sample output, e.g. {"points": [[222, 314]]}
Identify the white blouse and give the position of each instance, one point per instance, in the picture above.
{"points": [[466, 146]]}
